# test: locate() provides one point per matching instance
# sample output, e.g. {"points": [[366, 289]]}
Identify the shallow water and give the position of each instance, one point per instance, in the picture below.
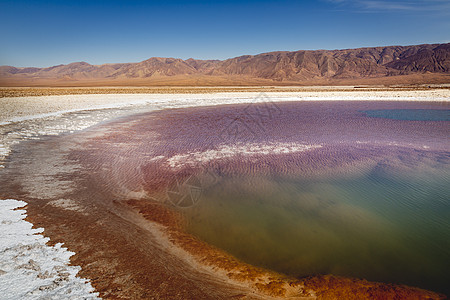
{"points": [[391, 224], [411, 114]]}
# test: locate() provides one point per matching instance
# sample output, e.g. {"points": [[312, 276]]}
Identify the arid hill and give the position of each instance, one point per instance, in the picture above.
{"points": [[414, 64]]}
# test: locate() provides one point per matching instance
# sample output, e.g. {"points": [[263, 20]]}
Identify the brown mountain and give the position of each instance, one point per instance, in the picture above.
{"points": [[422, 62]]}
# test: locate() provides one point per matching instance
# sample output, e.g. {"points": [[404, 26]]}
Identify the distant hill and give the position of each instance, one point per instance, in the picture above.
{"points": [[391, 64]]}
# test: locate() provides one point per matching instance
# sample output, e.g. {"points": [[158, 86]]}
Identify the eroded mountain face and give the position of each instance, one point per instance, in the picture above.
{"points": [[276, 66]]}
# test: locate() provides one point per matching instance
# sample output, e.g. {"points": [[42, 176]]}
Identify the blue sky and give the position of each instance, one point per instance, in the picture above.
{"points": [[46, 33]]}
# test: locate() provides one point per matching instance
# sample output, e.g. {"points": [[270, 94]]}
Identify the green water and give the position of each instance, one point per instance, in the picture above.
{"points": [[410, 114], [389, 225]]}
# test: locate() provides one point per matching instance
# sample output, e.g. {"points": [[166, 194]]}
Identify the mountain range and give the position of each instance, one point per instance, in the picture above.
{"points": [[390, 64]]}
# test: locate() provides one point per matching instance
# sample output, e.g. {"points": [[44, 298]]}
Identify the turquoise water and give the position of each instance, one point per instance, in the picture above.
{"points": [[410, 114], [391, 224]]}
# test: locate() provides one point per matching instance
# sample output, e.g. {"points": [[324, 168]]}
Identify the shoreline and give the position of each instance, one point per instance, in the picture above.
{"points": [[48, 274], [19, 108], [265, 283]]}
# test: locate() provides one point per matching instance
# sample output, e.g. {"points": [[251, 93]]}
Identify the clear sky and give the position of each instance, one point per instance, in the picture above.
{"points": [[46, 33]]}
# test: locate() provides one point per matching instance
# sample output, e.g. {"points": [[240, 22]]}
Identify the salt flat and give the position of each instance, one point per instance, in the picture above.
{"points": [[29, 268], [15, 109]]}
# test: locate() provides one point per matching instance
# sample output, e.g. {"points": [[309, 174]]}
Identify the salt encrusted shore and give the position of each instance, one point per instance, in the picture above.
{"points": [[30, 108], [29, 268], [16, 109]]}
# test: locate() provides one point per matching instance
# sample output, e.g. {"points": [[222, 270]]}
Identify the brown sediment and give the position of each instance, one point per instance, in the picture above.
{"points": [[263, 281], [333, 287], [268, 282], [126, 261]]}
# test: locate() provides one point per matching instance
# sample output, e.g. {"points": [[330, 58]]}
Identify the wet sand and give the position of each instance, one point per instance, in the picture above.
{"points": [[103, 193]]}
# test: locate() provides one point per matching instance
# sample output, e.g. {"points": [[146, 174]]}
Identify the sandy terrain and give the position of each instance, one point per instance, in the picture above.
{"points": [[133, 89]]}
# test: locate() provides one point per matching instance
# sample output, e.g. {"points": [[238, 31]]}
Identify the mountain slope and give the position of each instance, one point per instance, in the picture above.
{"points": [[280, 66]]}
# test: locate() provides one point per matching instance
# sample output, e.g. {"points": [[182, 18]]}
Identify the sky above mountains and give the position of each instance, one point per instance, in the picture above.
{"points": [[46, 33]]}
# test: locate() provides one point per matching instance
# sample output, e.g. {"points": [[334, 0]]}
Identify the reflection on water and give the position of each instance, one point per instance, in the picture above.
{"points": [[411, 114], [391, 224]]}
